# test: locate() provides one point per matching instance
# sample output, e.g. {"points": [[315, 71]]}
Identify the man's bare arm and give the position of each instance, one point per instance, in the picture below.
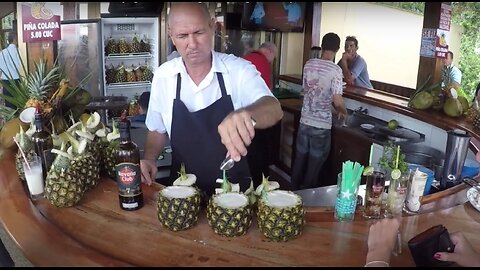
{"points": [[154, 144], [237, 130]]}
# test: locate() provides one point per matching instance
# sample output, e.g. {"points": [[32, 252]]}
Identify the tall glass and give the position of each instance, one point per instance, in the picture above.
{"points": [[375, 184], [397, 192], [346, 201], [34, 177]]}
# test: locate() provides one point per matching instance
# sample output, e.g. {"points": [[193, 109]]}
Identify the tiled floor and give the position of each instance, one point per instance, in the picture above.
{"points": [[15, 252]]}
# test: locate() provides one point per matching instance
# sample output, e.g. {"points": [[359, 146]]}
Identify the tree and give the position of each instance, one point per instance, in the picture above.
{"points": [[467, 15]]}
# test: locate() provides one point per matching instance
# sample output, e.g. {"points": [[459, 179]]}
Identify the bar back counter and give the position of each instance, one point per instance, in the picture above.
{"points": [[96, 232]]}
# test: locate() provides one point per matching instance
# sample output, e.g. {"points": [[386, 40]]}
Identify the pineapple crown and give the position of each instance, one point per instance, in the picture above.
{"points": [[184, 178], [226, 186], [266, 186], [24, 141]]}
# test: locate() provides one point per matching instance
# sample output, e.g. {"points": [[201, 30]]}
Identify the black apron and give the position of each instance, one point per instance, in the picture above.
{"points": [[195, 141]]}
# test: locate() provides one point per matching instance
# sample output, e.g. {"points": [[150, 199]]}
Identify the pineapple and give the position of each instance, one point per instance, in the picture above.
{"points": [[123, 46], [64, 186], [472, 112], [229, 212], [133, 106], [178, 206], [26, 145], [138, 73], [108, 154], [110, 74], [147, 73], [130, 74], [121, 74], [111, 47], [144, 45], [135, 46], [40, 84], [476, 121], [280, 213]]}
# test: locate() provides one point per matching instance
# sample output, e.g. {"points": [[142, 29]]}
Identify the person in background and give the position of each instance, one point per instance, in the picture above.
{"points": [[322, 84], [200, 102], [262, 149], [382, 238], [10, 66], [354, 66], [262, 59], [143, 107], [455, 75]]}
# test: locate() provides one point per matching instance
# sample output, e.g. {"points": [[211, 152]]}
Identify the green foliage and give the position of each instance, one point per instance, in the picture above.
{"points": [[415, 7], [467, 14], [389, 156]]}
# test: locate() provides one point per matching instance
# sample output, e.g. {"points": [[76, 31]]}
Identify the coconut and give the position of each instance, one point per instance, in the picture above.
{"points": [[422, 101]]}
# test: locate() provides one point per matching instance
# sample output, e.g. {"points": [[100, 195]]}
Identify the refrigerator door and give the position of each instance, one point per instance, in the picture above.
{"points": [[79, 51], [130, 55]]}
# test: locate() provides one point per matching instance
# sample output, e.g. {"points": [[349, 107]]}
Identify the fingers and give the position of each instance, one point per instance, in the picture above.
{"points": [[446, 256], [148, 169], [237, 132]]}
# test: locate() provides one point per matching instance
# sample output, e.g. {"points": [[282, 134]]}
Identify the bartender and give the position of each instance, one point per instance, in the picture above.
{"points": [[204, 101]]}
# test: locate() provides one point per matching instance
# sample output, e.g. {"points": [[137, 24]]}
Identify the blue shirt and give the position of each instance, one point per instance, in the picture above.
{"points": [[359, 72]]}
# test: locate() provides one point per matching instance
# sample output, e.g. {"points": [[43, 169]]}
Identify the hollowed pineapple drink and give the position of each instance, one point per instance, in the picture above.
{"points": [[229, 212], [178, 206], [280, 213]]}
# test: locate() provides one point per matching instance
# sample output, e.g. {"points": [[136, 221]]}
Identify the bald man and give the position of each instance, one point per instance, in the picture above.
{"points": [[199, 101]]}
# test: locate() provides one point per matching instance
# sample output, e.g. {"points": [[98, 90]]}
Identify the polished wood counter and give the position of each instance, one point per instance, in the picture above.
{"points": [[97, 232]]}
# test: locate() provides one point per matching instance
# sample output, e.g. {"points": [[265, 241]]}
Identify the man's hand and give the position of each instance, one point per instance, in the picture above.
{"points": [[149, 170], [237, 132]]}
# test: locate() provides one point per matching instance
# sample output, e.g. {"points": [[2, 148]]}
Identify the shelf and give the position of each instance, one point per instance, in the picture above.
{"points": [[126, 56], [128, 85]]}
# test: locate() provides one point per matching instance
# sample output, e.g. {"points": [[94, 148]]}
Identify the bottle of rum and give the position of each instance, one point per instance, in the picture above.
{"points": [[127, 169], [43, 143]]}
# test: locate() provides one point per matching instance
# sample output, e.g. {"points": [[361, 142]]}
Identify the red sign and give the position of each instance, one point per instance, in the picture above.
{"points": [[39, 24], [445, 17]]}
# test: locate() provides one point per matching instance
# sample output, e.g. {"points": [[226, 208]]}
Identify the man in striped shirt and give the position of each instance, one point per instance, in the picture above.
{"points": [[322, 85]]}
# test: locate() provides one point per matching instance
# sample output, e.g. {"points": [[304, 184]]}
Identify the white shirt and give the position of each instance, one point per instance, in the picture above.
{"points": [[9, 68], [242, 82], [321, 80]]}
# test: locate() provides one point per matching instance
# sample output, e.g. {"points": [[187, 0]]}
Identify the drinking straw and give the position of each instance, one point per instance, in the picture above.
{"points": [[370, 157], [398, 155], [23, 154]]}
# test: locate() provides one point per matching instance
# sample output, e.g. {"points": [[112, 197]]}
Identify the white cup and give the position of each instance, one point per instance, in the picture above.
{"points": [[34, 177]]}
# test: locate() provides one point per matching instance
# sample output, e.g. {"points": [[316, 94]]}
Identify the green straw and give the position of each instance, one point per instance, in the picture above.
{"points": [[398, 156], [370, 157]]}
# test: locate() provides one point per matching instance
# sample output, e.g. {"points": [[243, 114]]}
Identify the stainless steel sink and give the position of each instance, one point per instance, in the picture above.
{"points": [[378, 130], [324, 196]]}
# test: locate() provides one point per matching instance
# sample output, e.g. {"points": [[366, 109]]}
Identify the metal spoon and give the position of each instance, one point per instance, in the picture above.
{"points": [[228, 162]]}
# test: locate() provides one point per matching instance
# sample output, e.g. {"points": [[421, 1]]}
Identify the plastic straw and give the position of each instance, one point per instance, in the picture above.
{"points": [[370, 157], [398, 155], [23, 154]]}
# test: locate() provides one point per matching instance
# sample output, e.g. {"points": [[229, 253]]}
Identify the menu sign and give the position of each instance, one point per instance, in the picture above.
{"points": [[39, 24], [429, 37], [445, 17]]}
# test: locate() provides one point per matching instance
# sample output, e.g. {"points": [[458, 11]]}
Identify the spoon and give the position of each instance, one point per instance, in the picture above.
{"points": [[228, 162]]}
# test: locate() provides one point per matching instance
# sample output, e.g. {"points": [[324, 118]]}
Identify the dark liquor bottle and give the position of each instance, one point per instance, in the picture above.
{"points": [[43, 143], [127, 169]]}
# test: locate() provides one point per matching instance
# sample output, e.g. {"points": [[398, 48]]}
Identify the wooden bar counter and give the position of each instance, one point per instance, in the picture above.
{"points": [[97, 232]]}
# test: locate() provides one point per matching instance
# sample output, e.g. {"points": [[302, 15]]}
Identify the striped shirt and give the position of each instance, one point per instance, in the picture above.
{"points": [[321, 80]]}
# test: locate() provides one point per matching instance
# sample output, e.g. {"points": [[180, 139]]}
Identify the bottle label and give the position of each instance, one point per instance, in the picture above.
{"points": [[128, 178]]}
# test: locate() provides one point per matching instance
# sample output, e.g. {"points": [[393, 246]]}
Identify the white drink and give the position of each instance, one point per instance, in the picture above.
{"points": [[34, 179]]}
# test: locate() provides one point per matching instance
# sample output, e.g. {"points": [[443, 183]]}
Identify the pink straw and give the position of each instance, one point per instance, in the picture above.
{"points": [[23, 154]]}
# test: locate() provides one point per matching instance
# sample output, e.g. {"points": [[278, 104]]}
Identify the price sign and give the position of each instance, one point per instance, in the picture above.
{"points": [[39, 24]]}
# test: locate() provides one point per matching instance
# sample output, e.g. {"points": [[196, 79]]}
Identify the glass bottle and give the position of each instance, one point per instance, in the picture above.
{"points": [[127, 169], [43, 143]]}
